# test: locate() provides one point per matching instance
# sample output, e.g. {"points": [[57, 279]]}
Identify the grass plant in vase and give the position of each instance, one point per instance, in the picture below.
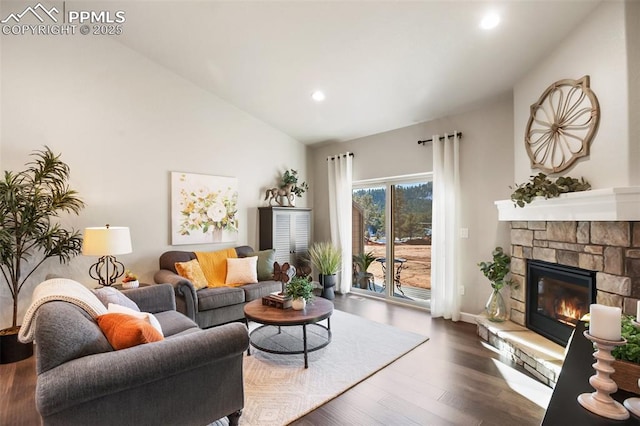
{"points": [[326, 258]]}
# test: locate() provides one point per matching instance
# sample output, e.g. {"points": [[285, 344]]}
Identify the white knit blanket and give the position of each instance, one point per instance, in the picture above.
{"points": [[62, 289]]}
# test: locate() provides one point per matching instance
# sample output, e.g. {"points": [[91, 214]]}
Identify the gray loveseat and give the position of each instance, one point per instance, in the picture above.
{"points": [[193, 377], [209, 307]]}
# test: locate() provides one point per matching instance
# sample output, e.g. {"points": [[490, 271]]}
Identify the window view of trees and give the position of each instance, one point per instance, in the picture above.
{"points": [[413, 204], [411, 242]]}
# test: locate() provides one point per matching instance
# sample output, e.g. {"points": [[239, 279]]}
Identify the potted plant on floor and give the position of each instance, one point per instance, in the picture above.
{"points": [[300, 289], [496, 271], [362, 262], [29, 200], [326, 258]]}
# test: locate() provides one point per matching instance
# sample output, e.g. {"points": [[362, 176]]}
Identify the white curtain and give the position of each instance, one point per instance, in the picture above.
{"points": [[340, 177], [445, 297]]}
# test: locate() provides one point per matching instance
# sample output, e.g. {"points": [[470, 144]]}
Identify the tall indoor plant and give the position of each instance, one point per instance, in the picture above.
{"points": [[496, 272], [29, 200], [326, 258]]}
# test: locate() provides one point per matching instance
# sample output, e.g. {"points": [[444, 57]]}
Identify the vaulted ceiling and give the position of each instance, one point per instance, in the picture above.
{"points": [[382, 65]]}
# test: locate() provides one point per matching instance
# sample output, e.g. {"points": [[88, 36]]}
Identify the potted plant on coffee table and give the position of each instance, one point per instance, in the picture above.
{"points": [[300, 289], [362, 262], [29, 201], [326, 258]]}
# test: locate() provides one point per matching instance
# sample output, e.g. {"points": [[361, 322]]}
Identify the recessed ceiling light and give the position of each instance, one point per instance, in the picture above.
{"points": [[318, 96], [490, 21]]}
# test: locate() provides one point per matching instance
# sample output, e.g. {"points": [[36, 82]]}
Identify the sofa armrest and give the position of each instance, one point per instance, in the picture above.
{"points": [[154, 298], [97, 376], [185, 292]]}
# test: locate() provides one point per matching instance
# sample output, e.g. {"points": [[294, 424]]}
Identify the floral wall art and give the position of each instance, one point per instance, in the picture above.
{"points": [[203, 209]]}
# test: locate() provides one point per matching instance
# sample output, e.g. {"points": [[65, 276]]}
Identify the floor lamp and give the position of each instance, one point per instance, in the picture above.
{"points": [[106, 242]]}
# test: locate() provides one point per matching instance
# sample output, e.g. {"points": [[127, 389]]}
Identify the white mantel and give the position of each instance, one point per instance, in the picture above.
{"points": [[609, 204]]}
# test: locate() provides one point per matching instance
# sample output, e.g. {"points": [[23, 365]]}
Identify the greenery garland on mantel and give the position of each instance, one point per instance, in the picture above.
{"points": [[541, 186]]}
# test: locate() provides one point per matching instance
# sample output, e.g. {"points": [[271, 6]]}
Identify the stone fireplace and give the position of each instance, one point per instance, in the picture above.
{"points": [[596, 231], [610, 249]]}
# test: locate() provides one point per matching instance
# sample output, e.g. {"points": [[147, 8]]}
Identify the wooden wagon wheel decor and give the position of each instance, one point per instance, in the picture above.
{"points": [[562, 125]]}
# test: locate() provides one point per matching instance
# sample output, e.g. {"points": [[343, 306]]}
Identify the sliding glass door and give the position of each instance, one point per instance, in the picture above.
{"points": [[392, 229]]}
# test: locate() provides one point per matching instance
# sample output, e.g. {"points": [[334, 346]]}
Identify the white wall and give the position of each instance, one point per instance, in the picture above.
{"points": [[633, 62], [486, 173], [597, 48], [123, 123]]}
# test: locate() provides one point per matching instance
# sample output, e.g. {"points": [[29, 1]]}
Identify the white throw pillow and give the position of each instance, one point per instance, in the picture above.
{"points": [[115, 308], [242, 270], [111, 295]]}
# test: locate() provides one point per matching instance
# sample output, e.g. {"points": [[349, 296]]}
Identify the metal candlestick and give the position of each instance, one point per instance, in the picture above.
{"points": [[600, 401]]}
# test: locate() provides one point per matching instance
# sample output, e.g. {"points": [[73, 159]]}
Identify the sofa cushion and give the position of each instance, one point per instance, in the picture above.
{"points": [[242, 271], [265, 263], [150, 318], [217, 297], [111, 295], [174, 323], [263, 288], [192, 271], [125, 331], [81, 339]]}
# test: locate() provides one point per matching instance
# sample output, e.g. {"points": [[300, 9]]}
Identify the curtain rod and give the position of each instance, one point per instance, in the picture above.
{"points": [[350, 154], [459, 134]]}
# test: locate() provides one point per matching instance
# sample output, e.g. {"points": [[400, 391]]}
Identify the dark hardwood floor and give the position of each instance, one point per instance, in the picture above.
{"points": [[453, 379]]}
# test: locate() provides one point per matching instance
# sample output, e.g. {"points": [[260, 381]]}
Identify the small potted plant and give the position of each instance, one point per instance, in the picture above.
{"points": [[290, 177], [327, 260], [362, 262], [130, 280], [496, 271], [300, 290]]}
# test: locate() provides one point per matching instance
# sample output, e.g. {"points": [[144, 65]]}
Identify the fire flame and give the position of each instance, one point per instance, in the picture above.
{"points": [[568, 310]]}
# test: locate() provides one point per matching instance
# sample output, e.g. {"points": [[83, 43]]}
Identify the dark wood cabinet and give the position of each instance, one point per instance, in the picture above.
{"points": [[287, 230]]}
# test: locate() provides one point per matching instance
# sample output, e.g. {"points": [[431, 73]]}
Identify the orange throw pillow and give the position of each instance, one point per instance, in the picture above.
{"points": [[125, 331], [192, 271]]}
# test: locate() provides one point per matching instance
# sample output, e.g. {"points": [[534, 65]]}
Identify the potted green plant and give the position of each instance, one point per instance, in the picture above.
{"points": [[290, 178], [29, 200], [362, 262], [300, 289], [326, 258], [496, 272], [627, 357]]}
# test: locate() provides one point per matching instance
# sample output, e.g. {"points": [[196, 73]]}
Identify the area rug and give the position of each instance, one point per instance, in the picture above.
{"points": [[278, 389]]}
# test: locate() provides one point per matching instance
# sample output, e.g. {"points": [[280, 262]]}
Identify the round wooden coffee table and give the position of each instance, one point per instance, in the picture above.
{"points": [[260, 338]]}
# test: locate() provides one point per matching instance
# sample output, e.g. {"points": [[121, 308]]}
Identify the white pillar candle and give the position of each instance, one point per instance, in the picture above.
{"points": [[638, 312], [606, 322]]}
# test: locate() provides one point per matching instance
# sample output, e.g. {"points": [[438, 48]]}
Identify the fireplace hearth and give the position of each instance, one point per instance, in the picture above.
{"points": [[558, 297]]}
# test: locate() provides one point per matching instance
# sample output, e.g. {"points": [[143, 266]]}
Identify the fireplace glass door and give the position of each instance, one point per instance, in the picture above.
{"points": [[558, 297]]}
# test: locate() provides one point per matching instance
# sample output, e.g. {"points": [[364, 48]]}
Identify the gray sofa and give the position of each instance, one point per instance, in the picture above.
{"points": [[193, 377], [209, 307]]}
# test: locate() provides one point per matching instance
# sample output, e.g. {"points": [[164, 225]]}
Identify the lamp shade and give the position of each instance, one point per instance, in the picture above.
{"points": [[106, 240]]}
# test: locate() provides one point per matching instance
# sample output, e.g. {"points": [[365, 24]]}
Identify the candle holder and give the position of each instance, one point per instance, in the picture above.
{"points": [[600, 401]]}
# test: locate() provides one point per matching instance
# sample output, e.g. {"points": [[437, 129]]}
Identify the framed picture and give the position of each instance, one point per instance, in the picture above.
{"points": [[203, 209]]}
